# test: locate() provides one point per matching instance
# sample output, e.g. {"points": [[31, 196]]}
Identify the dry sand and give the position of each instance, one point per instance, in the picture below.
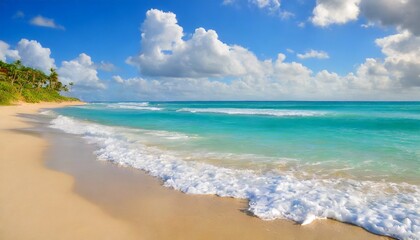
{"points": [[102, 201]]}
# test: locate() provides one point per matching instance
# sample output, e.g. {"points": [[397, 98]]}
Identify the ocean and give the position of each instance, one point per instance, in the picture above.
{"points": [[356, 162]]}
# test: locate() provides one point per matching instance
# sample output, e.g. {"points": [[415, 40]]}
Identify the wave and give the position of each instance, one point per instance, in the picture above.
{"points": [[49, 113], [166, 134], [251, 111], [391, 209], [144, 104], [121, 105], [134, 105]]}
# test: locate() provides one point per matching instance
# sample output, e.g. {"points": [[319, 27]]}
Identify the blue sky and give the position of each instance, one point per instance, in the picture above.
{"points": [[337, 48]]}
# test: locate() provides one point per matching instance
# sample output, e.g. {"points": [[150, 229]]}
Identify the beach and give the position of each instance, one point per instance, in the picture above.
{"points": [[52, 187], [38, 203]]}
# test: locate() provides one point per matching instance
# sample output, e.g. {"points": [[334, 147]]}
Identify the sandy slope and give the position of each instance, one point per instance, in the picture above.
{"points": [[38, 203]]}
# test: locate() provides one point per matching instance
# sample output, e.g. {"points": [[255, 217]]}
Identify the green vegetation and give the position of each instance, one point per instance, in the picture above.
{"points": [[21, 83]]}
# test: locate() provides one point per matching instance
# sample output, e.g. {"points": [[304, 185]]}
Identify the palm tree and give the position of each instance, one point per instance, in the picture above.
{"points": [[40, 78], [53, 79], [3, 70], [71, 84], [15, 69]]}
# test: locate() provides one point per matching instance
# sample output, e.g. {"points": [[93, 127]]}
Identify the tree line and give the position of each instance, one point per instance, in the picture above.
{"points": [[23, 77]]}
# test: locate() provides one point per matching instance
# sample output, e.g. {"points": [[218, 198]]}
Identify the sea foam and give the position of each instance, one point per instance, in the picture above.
{"points": [[134, 105], [384, 208], [250, 111]]}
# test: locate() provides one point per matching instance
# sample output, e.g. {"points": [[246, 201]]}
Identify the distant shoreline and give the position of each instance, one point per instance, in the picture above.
{"points": [[257, 101]]}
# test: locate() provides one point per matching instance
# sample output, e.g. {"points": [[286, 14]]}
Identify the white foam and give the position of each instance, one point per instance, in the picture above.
{"points": [[143, 104], [383, 208], [140, 108], [134, 105], [48, 113], [251, 111], [121, 105], [167, 134]]}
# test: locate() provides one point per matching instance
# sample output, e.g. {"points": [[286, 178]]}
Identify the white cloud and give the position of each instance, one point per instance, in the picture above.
{"points": [[82, 72], [285, 15], [403, 46], [313, 54], [45, 22], [271, 5], [32, 54], [7, 53], [400, 68], [196, 69], [398, 72], [106, 66], [402, 51], [165, 52], [228, 2], [329, 12], [368, 25], [118, 79], [4, 47], [289, 81], [203, 67], [375, 73], [403, 14]]}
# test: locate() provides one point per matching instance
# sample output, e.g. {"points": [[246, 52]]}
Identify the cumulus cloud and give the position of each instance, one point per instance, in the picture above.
{"points": [[186, 89], [289, 82], [7, 53], [329, 12], [202, 67], [32, 54], [45, 22], [313, 54], [402, 59], [175, 68], [398, 71], [118, 79], [82, 72], [400, 67], [165, 52], [403, 14]]}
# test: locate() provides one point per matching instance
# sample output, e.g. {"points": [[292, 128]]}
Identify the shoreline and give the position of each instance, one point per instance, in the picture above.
{"points": [[126, 202], [39, 203]]}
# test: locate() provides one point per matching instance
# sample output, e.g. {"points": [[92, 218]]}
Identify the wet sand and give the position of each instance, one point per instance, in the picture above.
{"points": [[52, 187]]}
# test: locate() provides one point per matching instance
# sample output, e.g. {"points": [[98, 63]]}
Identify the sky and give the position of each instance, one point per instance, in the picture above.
{"points": [[157, 50]]}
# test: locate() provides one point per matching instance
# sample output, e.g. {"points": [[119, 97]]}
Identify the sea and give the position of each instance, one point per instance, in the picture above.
{"points": [[355, 162]]}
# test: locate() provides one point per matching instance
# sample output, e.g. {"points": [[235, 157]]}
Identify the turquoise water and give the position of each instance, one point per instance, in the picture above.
{"points": [[356, 162], [363, 139]]}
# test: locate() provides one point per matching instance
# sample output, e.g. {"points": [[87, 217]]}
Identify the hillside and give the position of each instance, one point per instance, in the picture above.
{"points": [[22, 83]]}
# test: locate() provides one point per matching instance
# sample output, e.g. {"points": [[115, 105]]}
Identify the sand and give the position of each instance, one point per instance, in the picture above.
{"points": [[51, 187]]}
